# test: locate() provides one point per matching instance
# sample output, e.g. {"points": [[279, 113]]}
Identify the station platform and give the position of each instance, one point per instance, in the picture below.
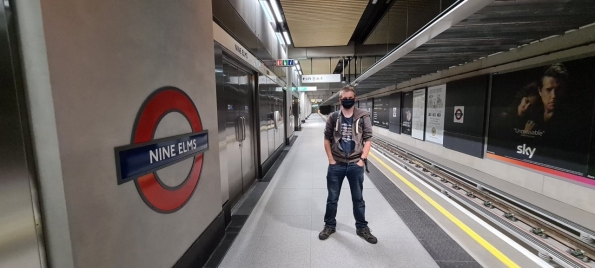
{"points": [[277, 223]]}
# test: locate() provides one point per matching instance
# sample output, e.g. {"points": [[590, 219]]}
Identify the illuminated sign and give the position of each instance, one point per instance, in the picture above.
{"points": [[307, 88], [285, 63], [321, 78]]}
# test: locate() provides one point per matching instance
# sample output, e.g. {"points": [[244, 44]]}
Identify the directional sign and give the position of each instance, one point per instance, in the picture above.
{"points": [[307, 88], [285, 63], [321, 78]]}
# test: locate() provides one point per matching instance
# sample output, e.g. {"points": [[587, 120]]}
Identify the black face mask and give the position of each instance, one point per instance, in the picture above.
{"points": [[347, 103]]}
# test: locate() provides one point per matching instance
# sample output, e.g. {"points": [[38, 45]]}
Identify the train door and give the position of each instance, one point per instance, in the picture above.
{"points": [[264, 121], [238, 96], [21, 243], [272, 131], [279, 119], [246, 85], [276, 131]]}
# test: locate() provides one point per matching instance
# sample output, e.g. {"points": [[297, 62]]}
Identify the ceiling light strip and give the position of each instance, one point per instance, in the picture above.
{"points": [[277, 11], [267, 10], [287, 39], [280, 37]]}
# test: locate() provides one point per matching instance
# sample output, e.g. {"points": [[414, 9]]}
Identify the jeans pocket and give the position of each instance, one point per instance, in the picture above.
{"points": [[331, 167]]}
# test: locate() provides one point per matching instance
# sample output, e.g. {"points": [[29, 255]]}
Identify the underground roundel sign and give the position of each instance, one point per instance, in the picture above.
{"points": [[140, 160], [459, 113]]}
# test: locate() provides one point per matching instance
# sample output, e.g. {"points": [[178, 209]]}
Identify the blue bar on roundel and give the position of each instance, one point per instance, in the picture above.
{"points": [[136, 160]]}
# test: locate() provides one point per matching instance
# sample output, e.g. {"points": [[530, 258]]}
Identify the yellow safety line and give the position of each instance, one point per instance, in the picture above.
{"points": [[456, 221]]}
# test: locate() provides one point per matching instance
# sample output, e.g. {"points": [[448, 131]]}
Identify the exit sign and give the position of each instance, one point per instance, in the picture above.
{"points": [[285, 63]]}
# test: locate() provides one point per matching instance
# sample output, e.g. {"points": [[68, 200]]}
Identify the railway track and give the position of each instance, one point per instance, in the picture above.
{"points": [[561, 242]]}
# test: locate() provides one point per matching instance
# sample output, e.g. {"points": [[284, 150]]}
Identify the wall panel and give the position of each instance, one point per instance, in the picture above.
{"points": [[105, 58], [466, 135]]}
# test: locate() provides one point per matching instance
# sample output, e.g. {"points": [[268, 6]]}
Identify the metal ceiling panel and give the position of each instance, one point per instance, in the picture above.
{"points": [[318, 23], [403, 19], [319, 65], [367, 62], [324, 65], [392, 29], [306, 66], [498, 27]]}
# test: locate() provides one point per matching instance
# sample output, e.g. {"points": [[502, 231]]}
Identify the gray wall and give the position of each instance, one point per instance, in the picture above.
{"points": [[253, 15], [394, 124], [247, 23], [104, 58], [466, 137]]}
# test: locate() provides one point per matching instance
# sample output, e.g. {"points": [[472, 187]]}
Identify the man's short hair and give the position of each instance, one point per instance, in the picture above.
{"points": [[346, 89], [557, 71]]}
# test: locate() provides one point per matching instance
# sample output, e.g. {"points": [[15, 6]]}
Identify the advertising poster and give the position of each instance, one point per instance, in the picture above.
{"points": [[363, 104], [419, 114], [381, 112], [542, 118], [407, 113], [435, 114]]}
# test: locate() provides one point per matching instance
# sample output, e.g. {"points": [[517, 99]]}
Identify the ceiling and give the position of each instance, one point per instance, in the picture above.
{"points": [[319, 65], [328, 66], [403, 19], [318, 23], [498, 27], [324, 23]]}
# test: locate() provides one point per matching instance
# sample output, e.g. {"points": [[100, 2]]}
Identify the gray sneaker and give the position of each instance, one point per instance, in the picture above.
{"points": [[366, 234], [326, 232]]}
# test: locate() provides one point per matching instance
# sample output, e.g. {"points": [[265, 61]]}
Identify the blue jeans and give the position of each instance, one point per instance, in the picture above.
{"points": [[334, 180]]}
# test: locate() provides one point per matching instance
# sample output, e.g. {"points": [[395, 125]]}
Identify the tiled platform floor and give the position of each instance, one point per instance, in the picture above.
{"points": [[282, 230]]}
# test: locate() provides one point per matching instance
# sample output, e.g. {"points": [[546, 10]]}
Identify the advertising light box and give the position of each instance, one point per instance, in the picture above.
{"points": [[407, 112], [542, 119], [435, 114], [419, 111], [380, 112]]}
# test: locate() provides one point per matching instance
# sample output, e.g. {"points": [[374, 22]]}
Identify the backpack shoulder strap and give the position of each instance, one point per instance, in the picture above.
{"points": [[334, 118], [359, 126]]}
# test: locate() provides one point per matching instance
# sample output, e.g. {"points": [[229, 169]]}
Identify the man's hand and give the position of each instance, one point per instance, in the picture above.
{"points": [[529, 125], [360, 163], [329, 155]]}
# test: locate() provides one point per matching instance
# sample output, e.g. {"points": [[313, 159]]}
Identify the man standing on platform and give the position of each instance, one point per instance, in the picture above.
{"points": [[347, 142]]}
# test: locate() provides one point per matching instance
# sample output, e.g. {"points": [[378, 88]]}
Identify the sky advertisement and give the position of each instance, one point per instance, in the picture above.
{"points": [[542, 119]]}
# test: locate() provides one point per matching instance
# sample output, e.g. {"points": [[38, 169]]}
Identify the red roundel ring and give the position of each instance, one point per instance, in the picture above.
{"points": [[155, 107], [459, 114]]}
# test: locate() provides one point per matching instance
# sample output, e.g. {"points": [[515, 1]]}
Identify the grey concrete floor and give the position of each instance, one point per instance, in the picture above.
{"points": [[282, 230]]}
